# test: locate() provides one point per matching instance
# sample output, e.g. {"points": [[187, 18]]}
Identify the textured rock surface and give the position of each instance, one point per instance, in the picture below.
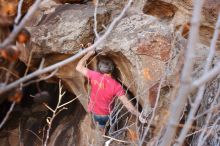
{"points": [[63, 30]]}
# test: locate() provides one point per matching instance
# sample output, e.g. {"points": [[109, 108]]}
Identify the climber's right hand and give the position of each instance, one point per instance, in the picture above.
{"points": [[142, 119], [90, 53]]}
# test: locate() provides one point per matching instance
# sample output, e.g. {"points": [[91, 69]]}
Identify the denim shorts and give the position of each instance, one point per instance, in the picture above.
{"points": [[100, 119]]}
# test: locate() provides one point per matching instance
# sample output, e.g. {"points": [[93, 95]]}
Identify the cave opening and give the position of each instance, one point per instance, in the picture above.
{"points": [[121, 72], [120, 64]]}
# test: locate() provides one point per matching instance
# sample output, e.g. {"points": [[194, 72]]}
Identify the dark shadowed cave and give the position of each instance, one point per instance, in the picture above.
{"points": [[30, 117]]}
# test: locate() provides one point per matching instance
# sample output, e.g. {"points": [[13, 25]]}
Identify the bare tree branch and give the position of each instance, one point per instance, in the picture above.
{"points": [[68, 60], [7, 115], [215, 124], [179, 103], [116, 139], [208, 111], [207, 77], [34, 135], [18, 17], [207, 120], [48, 107], [202, 88], [69, 102], [28, 63], [153, 113], [9, 71], [41, 79], [55, 112], [200, 130], [95, 19]]}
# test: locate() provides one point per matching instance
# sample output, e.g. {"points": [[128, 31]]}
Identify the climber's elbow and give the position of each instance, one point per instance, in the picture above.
{"points": [[78, 67], [82, 70]]}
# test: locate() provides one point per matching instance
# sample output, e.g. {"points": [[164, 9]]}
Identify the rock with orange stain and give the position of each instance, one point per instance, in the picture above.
{"points": [[185, 30], [161, 43]]}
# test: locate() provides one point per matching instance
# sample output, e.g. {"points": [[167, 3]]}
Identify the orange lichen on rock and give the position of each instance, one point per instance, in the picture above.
{"points": [[146, 73], [148, 48]]}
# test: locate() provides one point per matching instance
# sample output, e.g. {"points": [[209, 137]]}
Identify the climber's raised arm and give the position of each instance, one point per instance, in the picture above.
{"points": [[81, 66]]}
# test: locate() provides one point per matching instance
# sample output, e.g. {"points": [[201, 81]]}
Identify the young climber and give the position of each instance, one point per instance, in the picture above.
{"points": [[104, 89]]}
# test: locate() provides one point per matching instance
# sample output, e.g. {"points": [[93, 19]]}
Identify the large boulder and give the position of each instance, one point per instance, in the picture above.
{"points": [[146, 45]]}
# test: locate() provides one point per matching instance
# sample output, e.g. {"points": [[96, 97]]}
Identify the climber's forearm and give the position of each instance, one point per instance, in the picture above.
{"points": [[81, 66], [82, 63], [129, 105]]}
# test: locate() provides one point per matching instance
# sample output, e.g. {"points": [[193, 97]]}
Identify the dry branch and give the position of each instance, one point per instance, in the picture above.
{"points": [[95, 19], [153, 113], [202, 88], [7, 115], [18, 17], [207, 120], [207, 77], [179, 103], [59, 107]]}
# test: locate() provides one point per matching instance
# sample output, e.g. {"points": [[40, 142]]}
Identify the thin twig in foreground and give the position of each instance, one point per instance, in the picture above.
{"points": [[41, 79], [95, 19], [34, 135], [200, 93], [115, 139], [19, 12], [207, 77], [55, 111], [7, 115], [153, 113], [208, 118], [178, 105]]}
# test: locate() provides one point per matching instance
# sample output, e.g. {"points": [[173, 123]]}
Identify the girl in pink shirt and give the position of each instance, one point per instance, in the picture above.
{"points": [[104, 89]]}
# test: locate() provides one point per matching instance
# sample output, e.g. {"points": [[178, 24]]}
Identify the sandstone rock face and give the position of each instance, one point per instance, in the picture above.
{"points": [[65, 29]]}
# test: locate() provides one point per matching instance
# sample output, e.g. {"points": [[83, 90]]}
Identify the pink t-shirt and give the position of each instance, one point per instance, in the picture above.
{"points": [[103, 91]]}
